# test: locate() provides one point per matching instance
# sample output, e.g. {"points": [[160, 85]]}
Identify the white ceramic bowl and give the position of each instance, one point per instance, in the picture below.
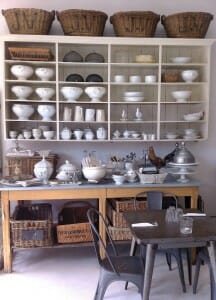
{"points": [[189, 75], [71, 93], [23, 111], [133, 98], [95, 92], [22, 92], [171, 135], [94, 173], [22, 72], [180, 59], [45, 74], [46, 111], [181, 96], [49, 134], [119, 179], [193, 117], [45, 93], [133, 94]]}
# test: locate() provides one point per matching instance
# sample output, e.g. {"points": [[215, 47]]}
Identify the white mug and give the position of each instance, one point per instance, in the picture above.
{"points": [[119, 78], [67, 114], [135, 78], [150, 78], [90, 115], [100, 115]]}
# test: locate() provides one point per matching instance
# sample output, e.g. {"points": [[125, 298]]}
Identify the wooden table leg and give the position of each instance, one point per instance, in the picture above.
{"points": [[7, 253], [149, 265]]}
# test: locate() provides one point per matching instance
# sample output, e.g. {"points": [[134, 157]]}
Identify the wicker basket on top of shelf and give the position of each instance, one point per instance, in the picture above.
{"points": [[135, 23], [187, 24], [82, 22], [28, 20]]}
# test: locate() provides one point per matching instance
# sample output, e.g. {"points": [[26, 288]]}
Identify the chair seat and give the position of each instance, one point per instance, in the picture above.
{"points": [[124, 264]]}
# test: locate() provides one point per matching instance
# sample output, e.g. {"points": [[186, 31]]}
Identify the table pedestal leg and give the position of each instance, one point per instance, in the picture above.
{"points": [[149, 265]]}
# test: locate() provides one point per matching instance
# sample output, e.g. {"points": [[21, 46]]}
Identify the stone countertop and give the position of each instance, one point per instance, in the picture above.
{"points": [[104, 184]]}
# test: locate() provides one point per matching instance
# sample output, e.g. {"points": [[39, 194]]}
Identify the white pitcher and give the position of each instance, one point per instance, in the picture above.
{"points": [[67, 113], [78, 114]]}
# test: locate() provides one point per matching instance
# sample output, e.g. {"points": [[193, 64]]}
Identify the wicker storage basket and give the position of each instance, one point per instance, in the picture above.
{"points": [[82, 22], [31, 226], [135, 23], [120, 234], [116, 207], [73, 226], [187, 24], [28, 20], [35, 54], [170, 76]]}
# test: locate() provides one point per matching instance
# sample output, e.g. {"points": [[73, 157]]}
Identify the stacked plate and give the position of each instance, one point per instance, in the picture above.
{"points": [[134, 96]]}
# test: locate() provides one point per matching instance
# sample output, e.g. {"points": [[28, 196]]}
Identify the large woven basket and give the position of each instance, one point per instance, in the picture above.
{"points": [[135, 23], [28, 20], [187, 24], [82, 22]]}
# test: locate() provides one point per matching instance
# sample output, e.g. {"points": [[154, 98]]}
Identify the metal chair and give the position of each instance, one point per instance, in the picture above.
{"points": [[155, 201], [203, 257], [113, 267]]}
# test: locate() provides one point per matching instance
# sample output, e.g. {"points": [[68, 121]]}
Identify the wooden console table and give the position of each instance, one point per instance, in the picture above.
{"points": [[101, 192]]}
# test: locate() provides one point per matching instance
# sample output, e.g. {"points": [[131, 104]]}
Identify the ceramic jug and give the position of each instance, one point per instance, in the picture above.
{"points": [[101, 133], [67, 113], [78, 114], [90, 114], [43, 170]]}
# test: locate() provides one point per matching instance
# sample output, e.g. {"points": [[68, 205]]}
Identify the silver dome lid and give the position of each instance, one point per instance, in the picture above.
{"points": [[183, 155]]}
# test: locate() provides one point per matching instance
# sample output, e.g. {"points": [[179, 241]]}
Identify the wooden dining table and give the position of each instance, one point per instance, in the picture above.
{"points": [[167, 235]]}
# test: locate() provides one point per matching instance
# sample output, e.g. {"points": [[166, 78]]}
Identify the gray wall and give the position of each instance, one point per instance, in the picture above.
{"points": [[204, 151]]}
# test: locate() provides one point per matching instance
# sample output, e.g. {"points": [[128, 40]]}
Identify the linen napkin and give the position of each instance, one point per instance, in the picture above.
{"points": [[194, 215], [144, 224]]}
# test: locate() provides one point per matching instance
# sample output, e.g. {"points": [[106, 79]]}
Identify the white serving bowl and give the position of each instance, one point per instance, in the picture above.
{"points": [[22, 72], [94, 173], [95, 92], [181, 96], [45, 74], [193, 117], [133, 98], [171, 135], [23, 111], [46, 111], [22, 92], [49, 134], [133, 94], [71, 93], [180, 59], [45, 93], [119, 179], [189, 75]]}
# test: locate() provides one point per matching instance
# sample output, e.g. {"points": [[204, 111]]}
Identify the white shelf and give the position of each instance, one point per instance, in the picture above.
{"points": [[160, 113]]}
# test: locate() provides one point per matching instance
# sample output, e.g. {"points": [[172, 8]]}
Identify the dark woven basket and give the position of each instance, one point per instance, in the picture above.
{"points": [[32, 225], [28, 20], [135, 23], [187, 24], [82, 22]]}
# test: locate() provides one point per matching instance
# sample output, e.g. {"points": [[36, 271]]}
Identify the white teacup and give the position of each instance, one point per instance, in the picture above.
{"points": [[13, 134], [78, 134], [27, 134]]}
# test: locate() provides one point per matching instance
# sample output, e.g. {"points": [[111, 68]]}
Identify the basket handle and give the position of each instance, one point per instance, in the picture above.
{"points": [[81, 203]]}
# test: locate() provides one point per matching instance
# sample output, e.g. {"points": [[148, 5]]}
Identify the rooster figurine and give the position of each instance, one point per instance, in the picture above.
{"points": [[155, 160]]}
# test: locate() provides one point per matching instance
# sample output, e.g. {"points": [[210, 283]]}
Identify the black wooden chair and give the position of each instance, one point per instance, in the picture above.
{"points": [[113, 267], [155, 201]]}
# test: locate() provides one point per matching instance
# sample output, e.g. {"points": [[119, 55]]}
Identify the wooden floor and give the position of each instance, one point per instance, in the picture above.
{"points": [[72, 273]]}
